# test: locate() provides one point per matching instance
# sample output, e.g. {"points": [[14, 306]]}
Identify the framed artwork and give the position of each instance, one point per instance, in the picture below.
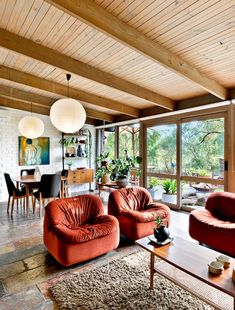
{"points": [[34, 151]]}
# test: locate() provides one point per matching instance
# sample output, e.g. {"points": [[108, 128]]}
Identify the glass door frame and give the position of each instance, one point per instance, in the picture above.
{"points": [[219, 112], [203, 179]]}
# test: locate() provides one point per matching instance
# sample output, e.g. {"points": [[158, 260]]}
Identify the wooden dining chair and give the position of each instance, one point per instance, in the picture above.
{"points": [[49, 188], [27, 172], [65, 190], [14, 193]]}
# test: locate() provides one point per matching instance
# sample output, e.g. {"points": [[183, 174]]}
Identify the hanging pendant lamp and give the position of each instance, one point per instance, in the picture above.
{"points": [[67, 115], [31, 126]]}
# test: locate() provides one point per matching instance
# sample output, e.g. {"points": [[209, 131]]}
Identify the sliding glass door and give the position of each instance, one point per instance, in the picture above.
{"points": [[203, 158], [161, 162]]}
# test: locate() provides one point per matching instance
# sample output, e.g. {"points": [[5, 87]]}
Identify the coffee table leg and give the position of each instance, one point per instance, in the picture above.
{"points": [[152, 259]]}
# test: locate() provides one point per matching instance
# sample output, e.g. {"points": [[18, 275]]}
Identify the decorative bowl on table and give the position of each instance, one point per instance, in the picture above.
{"points": [[224, 260], [216, 267]]}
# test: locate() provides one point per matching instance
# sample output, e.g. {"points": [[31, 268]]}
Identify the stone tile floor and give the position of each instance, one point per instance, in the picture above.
{"points": [[27, 269]]}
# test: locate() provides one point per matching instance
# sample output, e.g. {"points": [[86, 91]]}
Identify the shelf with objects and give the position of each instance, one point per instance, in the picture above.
{"points": [[76, 157]]}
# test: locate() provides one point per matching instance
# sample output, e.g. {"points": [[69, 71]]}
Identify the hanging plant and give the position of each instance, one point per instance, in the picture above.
{"points": [[69, 141]]}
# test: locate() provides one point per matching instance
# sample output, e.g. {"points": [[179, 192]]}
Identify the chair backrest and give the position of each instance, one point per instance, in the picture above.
{"points": [[222, 205], [50, 185], [10, 185], [128, 198], [64, 173], [27, 172], [74, 211]]}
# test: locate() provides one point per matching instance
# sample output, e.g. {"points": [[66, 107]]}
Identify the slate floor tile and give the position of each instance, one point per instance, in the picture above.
{"points": [[24, 300]]}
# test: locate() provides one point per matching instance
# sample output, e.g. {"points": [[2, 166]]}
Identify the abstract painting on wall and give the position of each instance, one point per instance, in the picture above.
{"points": [[34, 151]]}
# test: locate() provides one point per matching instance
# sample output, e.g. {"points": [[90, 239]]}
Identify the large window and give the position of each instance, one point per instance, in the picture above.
{"points": [[129, 140], [202, 161], [161, 149], [203, 148], [109, 142], [186, 159]]}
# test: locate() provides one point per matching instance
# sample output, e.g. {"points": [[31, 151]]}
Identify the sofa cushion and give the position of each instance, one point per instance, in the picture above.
{"points": [[222, 205], [125, 199], [206, 217], [74, 211], [101, 226], [151, 212]]}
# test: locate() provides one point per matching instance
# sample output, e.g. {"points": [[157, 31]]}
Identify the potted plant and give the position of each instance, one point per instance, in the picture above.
{"points": [[169, 195], [103, 170], [120, 169], [161, 232], [155, 188], [102, 159], [102, 174]]}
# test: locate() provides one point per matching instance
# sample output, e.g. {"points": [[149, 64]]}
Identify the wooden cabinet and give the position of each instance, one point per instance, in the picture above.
{"points": [[80, 176]]}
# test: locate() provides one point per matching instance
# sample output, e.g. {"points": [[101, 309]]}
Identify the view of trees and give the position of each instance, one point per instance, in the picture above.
{"points": [[109, 143], [203, 148], [129, 140], [161, 148]]}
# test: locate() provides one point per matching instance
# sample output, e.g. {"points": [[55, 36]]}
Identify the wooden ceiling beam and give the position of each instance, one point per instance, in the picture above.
{"points": [[94, 15], [21, 105], [196, 102], [42, 102], [26, 96], [44, 54], [60, 89]]}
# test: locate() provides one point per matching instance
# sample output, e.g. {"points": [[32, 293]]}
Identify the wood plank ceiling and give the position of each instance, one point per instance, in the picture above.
{"points": [[128, 58]]}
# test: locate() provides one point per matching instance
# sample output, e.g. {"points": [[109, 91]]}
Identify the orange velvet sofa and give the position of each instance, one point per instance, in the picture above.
{"points": [[76, 229], [136, 212], [215, 225]]}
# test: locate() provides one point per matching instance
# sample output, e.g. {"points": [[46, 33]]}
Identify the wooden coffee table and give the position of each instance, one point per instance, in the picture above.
{"points": [[192, 259]]}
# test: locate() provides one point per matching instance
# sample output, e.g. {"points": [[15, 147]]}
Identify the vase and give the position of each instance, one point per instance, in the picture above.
{"points": [[169, 198], [104, 179], [161, 233], [122, 181]]}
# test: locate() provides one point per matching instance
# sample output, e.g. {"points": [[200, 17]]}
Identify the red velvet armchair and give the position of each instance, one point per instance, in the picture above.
{"points": [[215, 225], [76, 229], [136, 212]]}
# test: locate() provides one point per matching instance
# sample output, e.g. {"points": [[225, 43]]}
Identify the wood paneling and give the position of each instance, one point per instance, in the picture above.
{"points": [[15, 96], [202, 33], [36, 82], [99, 18], [44, 54]]}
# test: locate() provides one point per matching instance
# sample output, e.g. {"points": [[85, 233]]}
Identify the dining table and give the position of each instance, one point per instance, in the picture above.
{"points": [[32, 182]]}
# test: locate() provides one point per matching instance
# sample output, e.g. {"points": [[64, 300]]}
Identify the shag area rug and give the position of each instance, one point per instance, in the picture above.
{"points": [[123, 284]]}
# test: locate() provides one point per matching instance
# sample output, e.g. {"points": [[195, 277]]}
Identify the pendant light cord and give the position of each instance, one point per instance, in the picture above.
{"points": [[68, 77]]}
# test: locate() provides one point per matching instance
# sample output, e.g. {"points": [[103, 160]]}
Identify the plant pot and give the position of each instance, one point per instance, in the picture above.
{"points": [[104, 179], [161, 233], [169, 198], [152, 192], [122, 181]]}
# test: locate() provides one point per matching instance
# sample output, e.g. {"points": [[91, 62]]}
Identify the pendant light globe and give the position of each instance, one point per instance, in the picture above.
{"points": [[31, 127], [67, 115]]}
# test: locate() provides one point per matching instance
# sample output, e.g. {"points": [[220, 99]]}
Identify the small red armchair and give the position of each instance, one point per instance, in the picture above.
{"points": [[76, 229], [215, 225], [136, 212]]}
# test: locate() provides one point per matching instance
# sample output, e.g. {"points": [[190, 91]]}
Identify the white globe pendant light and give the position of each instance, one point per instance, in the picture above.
{"points": [[67, 115], [31, 126]]}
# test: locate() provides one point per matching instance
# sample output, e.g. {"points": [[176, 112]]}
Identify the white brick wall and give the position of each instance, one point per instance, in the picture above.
{"points": [[9, 133]]}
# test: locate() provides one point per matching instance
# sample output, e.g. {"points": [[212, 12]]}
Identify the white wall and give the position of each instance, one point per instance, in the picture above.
{"points": [[9, 133]]}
